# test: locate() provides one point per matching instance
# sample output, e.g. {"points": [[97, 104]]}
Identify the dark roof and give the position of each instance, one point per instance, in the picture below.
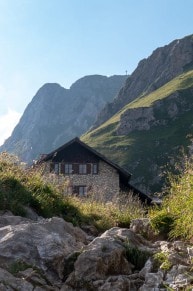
{"points": [[125, 174], [143, 197]]}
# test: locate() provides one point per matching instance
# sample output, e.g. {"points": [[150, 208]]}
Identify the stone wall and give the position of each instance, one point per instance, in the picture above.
{"points": [[104, 185]]}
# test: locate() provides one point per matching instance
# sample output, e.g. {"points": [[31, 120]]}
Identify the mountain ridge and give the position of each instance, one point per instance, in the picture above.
{"points": [[55, 115], [151, 73], [150, 131]]}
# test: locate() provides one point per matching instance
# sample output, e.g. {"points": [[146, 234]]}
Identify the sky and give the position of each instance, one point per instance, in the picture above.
{"points": [[60, 41]]}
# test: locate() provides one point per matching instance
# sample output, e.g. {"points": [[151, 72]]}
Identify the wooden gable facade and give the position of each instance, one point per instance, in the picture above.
{"points": [[87, 170]]}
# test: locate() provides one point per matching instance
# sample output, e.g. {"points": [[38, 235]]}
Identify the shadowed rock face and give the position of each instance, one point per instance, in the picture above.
{"points": [[163, 65], [56, 115]]}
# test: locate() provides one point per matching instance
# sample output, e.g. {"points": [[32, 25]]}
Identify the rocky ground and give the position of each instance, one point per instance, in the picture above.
{"points": [[51, 254]]}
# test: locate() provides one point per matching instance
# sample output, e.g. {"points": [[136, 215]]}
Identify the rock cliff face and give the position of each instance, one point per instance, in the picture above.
{"points": [[163, 65], [161, 113], [56, 115]]}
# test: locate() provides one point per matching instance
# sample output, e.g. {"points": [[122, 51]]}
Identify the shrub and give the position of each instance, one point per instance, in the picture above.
{"points": [[18, 266], [161, 261], [161, 221], [136, 256]]}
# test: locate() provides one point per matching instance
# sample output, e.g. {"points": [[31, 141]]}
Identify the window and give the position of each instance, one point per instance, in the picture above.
{"points": [[56, 168], [82, 169], [95, 168], [80, 190], [68, 168]]}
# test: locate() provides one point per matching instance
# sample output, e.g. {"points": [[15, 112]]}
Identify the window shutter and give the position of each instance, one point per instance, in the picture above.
{"points": [[62, 168], [88, 168], [56, 168], [75, 168], [51, 167], [95, 168]]}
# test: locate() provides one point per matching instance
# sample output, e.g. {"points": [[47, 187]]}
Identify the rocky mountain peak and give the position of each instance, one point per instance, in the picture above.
{"points": [[160, 67], [49, 88], [56, 115], [91, 80], [49, 92]]}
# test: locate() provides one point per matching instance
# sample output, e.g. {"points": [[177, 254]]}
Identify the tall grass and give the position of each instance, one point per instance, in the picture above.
{"points": [[104, 215], [19, 188], [25, 187], [176, 214]]}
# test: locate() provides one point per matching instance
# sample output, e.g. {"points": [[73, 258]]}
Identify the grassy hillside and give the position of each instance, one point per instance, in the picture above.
{"points": [[144, 153]]}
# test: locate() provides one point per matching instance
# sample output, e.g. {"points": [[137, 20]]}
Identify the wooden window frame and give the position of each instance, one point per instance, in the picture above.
{"points": [[56, 168], [95, 169], [80, 190], [68, 169], [82, 169]]}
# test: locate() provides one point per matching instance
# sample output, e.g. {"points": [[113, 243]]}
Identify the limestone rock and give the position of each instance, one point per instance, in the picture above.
{"points": [[190, 252], [152, 281], [106, 256], [178, 258], [43, 244], [136, 119], [10, 219], [146, 269], [179, 277], [144, 118], [143, 227], [34, 277], [121, 282], [9, 283], [179, 246], [52, 255]]}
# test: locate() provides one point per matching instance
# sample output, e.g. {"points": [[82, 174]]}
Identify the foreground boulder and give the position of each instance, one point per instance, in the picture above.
{"points": [[42, 245], [9, 282], [122, 260], [105, 259], [53, 255]]}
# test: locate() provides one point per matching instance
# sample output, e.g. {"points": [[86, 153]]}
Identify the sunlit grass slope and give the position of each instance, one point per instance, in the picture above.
{"points": [[138, 150]]}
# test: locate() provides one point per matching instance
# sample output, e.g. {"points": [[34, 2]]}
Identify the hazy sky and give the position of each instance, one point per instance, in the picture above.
{"points": [[63, 40]]}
